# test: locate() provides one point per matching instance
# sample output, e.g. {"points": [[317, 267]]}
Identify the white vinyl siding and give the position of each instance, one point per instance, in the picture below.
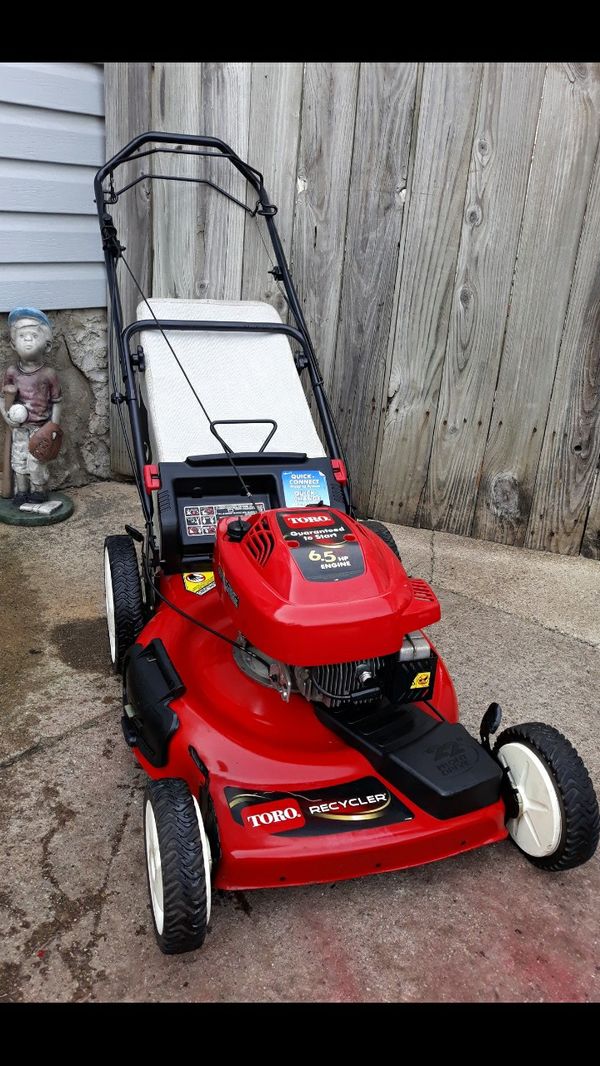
{"points": [[51, 144]]}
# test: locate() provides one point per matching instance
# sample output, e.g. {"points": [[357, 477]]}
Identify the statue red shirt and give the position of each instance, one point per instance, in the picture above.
{"points": [[37, 390]]}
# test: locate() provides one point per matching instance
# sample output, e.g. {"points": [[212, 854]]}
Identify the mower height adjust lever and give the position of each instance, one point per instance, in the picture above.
{"points": [[135, 534], [489, 723]]}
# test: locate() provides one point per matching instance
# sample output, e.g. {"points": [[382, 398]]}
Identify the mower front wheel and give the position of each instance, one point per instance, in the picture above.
{"points": [[123, 591], [178, 865], [557, 824]]}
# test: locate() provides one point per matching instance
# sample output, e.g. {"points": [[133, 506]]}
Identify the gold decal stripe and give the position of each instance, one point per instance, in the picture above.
{"points": [[244, 796]]}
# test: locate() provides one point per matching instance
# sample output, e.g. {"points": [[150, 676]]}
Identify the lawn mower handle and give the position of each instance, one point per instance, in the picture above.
{"points": [[251, 175], [112, 250]]}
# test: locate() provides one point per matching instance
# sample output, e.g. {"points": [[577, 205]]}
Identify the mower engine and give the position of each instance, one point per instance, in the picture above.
{"points": [[324, 608]]}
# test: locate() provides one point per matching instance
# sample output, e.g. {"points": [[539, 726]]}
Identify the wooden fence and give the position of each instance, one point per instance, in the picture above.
{"points": [[442, 225]]}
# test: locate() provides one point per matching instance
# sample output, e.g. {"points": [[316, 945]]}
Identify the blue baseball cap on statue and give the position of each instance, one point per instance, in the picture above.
{"points": [[28, 312]]}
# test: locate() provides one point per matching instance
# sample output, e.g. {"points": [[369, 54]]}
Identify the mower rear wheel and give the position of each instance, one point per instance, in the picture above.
{"points": [[178, 865], [558, 823], [384, 534], [123, 590]]}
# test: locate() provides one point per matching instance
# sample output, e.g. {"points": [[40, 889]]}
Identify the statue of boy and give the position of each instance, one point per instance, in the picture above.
{"points": [[30, 399]]}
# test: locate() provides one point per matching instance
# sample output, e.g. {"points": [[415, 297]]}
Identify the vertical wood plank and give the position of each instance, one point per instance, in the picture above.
{"points": [[435, 205], [590, 545], [385, 103], [178, 216], [326, 139], [505, 128], [566, 143], [275, 103], [569, 456], [127, 108], [226, 114]]}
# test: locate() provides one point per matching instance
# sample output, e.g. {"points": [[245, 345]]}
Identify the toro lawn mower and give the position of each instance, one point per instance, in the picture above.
{"points": [[296, 722]]}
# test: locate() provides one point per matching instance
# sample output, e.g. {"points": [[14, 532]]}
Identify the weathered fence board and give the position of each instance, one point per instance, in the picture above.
{"points": [[127, 114], [569, 456], [502, 146], [435, 205], [384, 113], [226, 114], [563, 159], [327, 134], [178, 206], [275, 103]]}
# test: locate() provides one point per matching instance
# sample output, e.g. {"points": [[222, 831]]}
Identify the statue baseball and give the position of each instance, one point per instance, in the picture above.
{"points": [[30, 404], [18, 413]]}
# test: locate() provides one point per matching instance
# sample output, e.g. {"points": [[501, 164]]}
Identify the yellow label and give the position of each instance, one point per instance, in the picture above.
{"points": [[199, 583], [421, 680]]}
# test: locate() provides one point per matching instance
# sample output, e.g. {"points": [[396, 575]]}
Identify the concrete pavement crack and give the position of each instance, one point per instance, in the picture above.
{"points": [[51, 742], [520, 617], [86, 978]]}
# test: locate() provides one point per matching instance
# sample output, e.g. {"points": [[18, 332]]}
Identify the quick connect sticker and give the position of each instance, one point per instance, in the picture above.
{"points": [[199, 583], [302, 487]]}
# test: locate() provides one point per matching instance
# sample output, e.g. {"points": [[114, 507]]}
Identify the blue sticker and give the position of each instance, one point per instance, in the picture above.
{"points": [[302, 487]]}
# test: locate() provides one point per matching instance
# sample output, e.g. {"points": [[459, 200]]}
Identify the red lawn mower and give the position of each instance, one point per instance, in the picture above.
{"points": [[296, 722]]}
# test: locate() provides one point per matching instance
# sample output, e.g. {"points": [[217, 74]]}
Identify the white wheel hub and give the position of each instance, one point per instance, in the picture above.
{"points": [[206, 856], [110, 607], [538, 826], [155, 879]]}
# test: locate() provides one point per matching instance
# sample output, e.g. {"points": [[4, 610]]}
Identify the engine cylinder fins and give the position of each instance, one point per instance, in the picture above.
{"points": [[335, 685]]}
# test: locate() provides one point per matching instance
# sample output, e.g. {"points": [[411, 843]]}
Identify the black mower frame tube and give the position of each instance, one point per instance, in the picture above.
{"points": [[112, 252], [333, 442], [137, 436]]}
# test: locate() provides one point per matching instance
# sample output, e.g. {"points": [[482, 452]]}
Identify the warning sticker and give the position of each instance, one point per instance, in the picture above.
{"points": [[421, 680], [199, 583], [201, 521], [302, 487]]}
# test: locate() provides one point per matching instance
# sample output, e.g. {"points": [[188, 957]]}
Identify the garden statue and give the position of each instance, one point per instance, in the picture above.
{"points": [[30, 404]]}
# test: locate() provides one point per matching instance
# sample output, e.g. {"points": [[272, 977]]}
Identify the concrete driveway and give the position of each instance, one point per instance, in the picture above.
{"points": [[517, 626]]}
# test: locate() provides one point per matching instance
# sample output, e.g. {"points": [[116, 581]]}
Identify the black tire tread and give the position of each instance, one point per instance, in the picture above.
{"points": [[182, 860], [576, 793], [127, 594], [384, 534]]}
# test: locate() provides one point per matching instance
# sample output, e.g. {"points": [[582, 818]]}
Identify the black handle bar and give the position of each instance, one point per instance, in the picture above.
{"points": [[159, 137]]}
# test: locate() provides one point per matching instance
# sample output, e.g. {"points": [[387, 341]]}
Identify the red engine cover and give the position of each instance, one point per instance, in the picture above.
{"points": [[311, 586]]}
